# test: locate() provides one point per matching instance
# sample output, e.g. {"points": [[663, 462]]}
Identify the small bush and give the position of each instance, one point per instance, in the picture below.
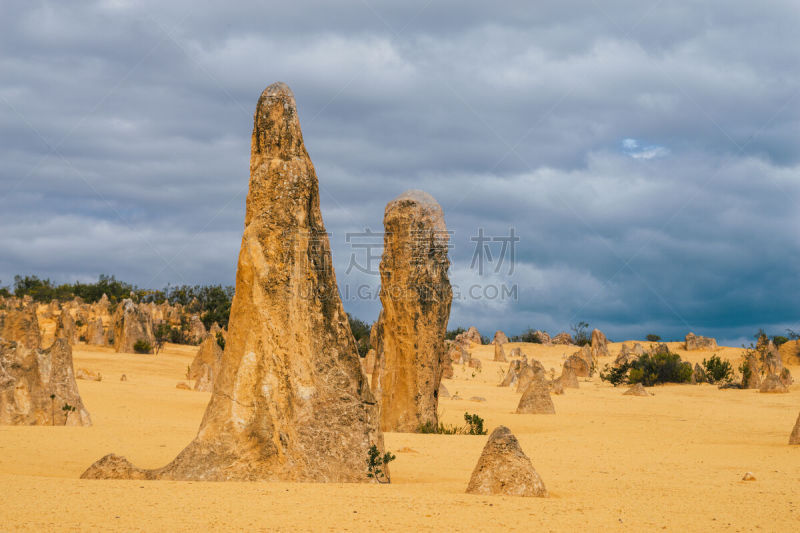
{"points": [[745, 370], [616, 375], [779, 339], [376, 464], [649, 369], [142, 346], [220, 340], [529, 335], [451, 334], [717, 370], [653, 338], [660, 367], [474, 426], [580, 336]]}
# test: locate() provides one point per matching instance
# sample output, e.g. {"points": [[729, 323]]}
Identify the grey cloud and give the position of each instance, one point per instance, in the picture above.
{"points": [[509, 117]]}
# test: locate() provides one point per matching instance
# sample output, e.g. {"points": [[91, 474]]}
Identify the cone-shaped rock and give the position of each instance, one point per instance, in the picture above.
{"points": [[290, 401], [568, 378], [599, 344], [536, 398], [499, 352], [503, 468], [205, 365], [529, 372], [794, 438], [416, 296], [636, 390]]}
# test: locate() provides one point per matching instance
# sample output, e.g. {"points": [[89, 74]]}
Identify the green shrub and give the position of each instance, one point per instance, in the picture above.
{"points": [[746, 370], [220, 340], [451, 334], [474, 426], [717, 370], [653, 338], [779, 339], [376, 464], [529, 335], [616, 375], [361, 331], [661, 366], [580, 336], [142, 346]]}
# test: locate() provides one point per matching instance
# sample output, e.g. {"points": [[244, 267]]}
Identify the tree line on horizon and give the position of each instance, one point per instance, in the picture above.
{"points": [[211, 302]]}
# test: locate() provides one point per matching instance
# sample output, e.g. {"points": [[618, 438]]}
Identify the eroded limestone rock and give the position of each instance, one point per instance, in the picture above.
{"points": [[503, 468], [415, 295], [131, 324], [536, 398], [290, 402], [28, 379], [696, 342]]}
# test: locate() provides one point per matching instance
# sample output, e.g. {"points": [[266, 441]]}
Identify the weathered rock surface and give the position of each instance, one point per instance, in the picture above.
{"points": [[19, 323], [197, 330], [536, 398], [415, 297], [206, 364], [528, 373], [512, 374], [544, 337], [578, 366], [443, 392], [772, 383], [95, 333], [475, 363], [499, 352], [368, 361], [472, 335], [794, 438], [458, 354], [696, 342], [499, 337], [28, 378], [568, 378], [290, 402], [131, 324], [503, 468], [636, 390], [752, 379], [599, 345], [562, 338]]}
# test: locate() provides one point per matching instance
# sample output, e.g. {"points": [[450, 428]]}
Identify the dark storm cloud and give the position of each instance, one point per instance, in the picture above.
{"points": [[645, 154]]}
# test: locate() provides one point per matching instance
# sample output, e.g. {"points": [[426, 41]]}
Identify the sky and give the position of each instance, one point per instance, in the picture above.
{"points": [[633, 165]]}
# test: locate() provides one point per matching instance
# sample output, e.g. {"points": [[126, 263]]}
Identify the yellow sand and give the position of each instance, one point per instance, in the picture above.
{"points": [[611, 462]]}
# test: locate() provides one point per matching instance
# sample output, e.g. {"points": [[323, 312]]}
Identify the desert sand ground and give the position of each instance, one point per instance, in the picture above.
{"points": [[670, 461]]}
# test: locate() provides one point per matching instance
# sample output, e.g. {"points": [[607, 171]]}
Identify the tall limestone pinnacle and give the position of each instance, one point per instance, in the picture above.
{"points": [[416, 297], [290, 402]]}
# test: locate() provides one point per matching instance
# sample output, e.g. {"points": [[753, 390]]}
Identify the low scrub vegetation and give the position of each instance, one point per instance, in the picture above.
{"points": [[142, 346], [473, 426], [717, 370], [361, 332], [376, 464], [660, 366], [529, 335]]}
